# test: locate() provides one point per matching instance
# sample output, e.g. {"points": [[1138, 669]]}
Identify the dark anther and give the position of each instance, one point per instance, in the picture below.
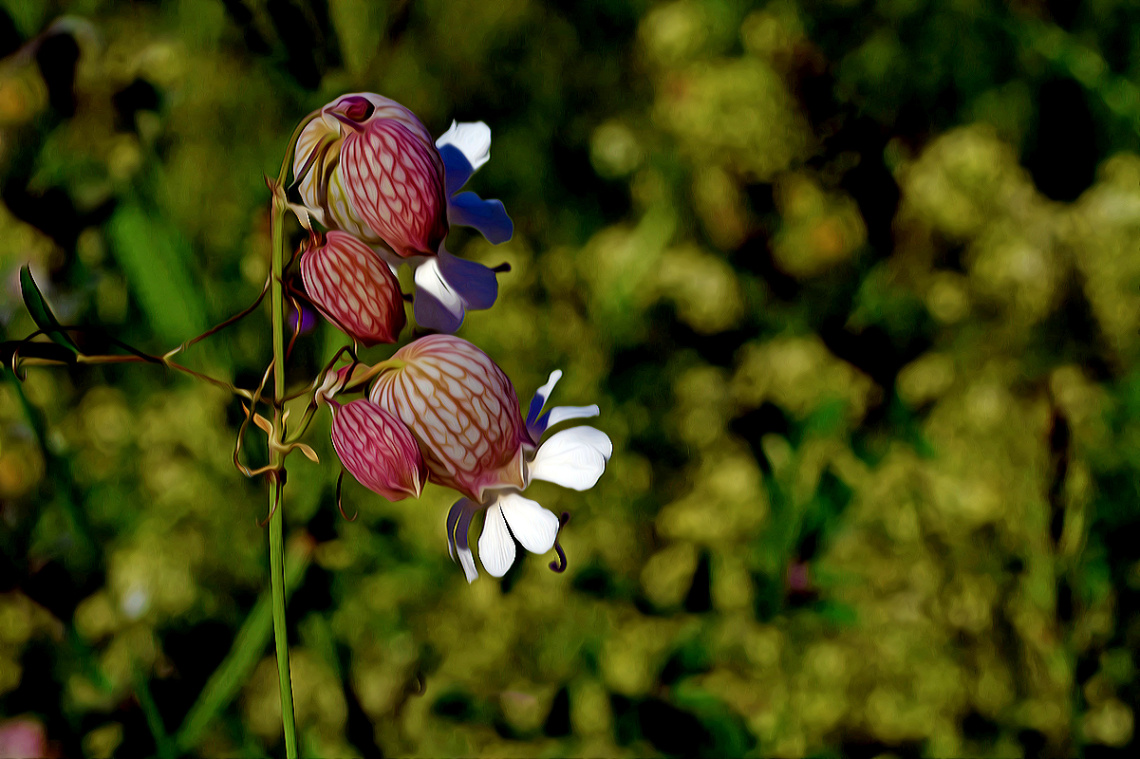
{"points": [[407, 297], [560, 565], [502, 268], [339, 505]]}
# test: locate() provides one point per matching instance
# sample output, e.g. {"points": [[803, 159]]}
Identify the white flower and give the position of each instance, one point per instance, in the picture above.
{"points": [[573, 458]]}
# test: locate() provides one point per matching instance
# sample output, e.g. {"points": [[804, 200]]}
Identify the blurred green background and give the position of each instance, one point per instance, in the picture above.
{"points": [[856, 284]]}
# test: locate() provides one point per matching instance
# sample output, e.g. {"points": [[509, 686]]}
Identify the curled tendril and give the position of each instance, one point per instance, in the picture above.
{"points": [[18, 367], [249, 414], [296, 327], [339, 504], [277, 477], [560, 565]]}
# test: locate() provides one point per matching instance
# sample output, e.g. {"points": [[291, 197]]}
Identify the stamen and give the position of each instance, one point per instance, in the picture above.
{"points": [[339, 505], [560, 565]]}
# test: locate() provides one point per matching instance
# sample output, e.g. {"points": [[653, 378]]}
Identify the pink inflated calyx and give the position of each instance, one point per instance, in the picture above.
{"points": [[378, 450], [462, 409], [394, 183], [353, 288], [317, 171]]}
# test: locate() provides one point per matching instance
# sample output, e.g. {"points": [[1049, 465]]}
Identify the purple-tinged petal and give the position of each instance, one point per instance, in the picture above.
{"points": [[447, 287], [475, 284], [472, 142], [456, 169], [458, 525], [488, 216], [432, 314], [378, 450], [540, 396]]}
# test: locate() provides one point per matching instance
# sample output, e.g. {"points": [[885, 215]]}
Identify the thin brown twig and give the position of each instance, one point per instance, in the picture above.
{"points": [[232, 320]]}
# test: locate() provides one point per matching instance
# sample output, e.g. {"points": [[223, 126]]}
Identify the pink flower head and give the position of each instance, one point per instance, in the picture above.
{"points": [[394, 183], [354, 289], [378, 449], [366, 165], [317, 158], [464, 413]]}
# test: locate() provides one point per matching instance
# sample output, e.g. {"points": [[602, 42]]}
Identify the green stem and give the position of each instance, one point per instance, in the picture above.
{"points": [[277, 486]]}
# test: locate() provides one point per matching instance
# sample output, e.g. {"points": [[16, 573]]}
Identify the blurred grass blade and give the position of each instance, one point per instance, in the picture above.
{"points": [[155, 259], [163, 747], [41, 313], [249, 646]]}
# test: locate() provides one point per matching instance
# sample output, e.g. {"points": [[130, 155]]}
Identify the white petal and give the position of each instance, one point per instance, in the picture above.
{"points": [[467, 560], [496, 546], [574, 458], [473, 140], [562, 413], [545, 391], [533, 526]]}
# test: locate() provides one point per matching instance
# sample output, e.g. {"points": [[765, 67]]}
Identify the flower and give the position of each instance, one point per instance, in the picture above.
{"points": [[353, 288], [366, 165], [377, 449], [464, 413]]}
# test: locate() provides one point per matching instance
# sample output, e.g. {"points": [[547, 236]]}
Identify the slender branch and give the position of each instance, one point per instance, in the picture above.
{"points": [[218, 328]]}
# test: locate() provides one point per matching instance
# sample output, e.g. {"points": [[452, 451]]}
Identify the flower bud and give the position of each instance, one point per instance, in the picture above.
{"points": [[463, 411], [354, 289], [394, 183], [378, 450], [346, 191]]}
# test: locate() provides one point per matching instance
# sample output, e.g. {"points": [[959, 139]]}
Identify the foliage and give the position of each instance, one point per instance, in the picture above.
{"points": [[856, 285]]}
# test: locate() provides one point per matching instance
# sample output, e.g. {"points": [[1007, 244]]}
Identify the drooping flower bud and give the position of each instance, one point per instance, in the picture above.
{"points": [[394, 183], [388, 188], [463, 411], [354, 289], [378, 449]]}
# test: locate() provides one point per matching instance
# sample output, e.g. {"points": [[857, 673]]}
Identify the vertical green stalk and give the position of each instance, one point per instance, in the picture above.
{"points": [[277, 486]]}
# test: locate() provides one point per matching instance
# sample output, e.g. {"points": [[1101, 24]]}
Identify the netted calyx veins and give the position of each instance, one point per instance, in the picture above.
{"points": [[353, 288], [367, 166], [378, 450], [462, 410], [464, 413]]}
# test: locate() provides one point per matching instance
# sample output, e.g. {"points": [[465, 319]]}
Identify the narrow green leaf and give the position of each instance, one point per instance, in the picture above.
{"points": [[40, 312], [156, 260], [248, 648]]}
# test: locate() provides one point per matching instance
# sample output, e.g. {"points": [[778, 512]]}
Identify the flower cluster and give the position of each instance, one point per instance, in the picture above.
{"points": [[365, 167], [439, 410]]}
